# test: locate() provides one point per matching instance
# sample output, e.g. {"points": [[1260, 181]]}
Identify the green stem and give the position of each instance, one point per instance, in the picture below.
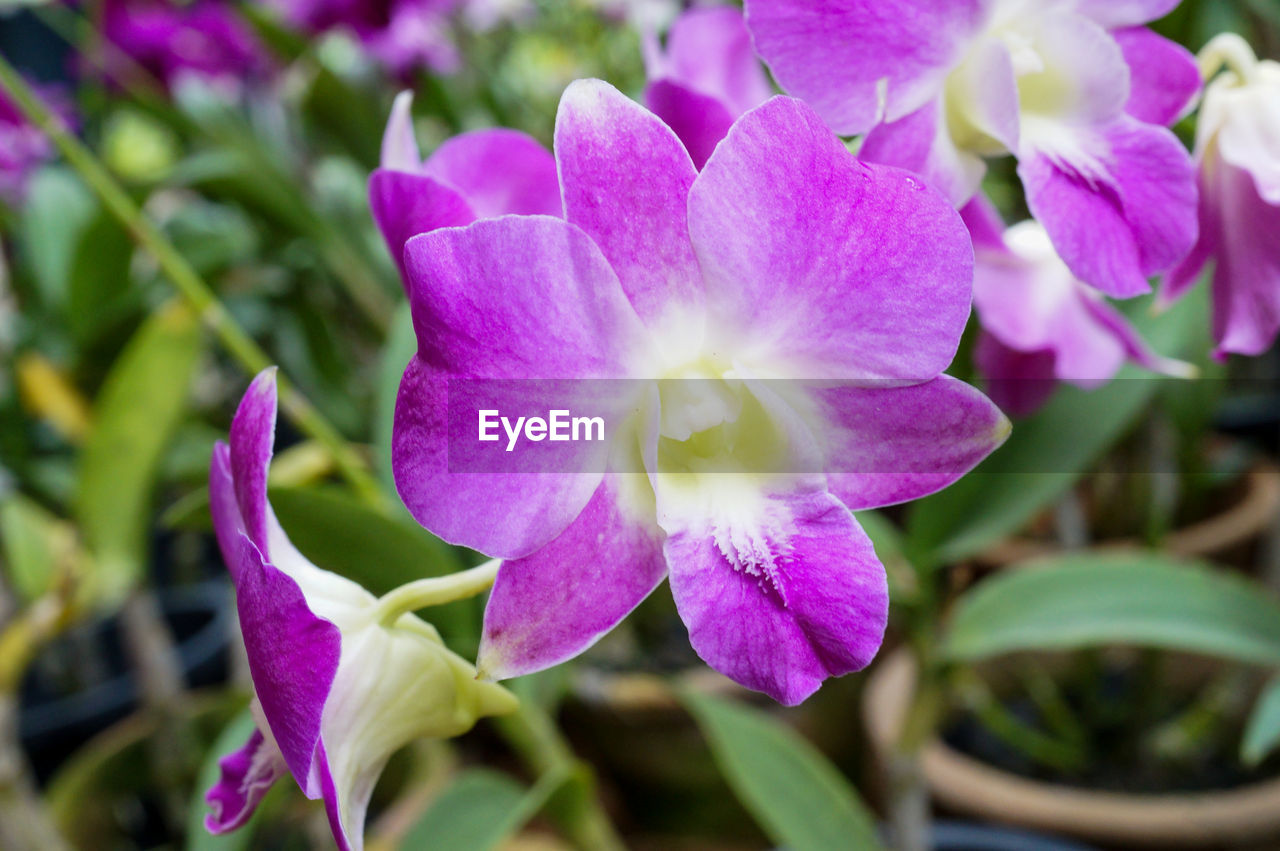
{"points": [[534, 736], [436, 591], [186, 280]]}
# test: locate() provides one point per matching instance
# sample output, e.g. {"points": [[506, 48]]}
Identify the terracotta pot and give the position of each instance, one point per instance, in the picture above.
{"points": [[1249, 814], [1254, 513]]}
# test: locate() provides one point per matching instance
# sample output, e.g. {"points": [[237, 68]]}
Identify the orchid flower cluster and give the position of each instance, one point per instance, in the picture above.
{"points": [[764, 318]]}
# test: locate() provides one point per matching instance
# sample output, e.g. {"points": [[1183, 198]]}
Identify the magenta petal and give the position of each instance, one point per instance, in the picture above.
{"points": [[519, 297], [807, 602], [1123, 209], [508, 515], [1163, 77], [699, 120], [709, 50], [498, 172], [833, 53], [986, 228], [253, 431], [333, 807], [1019, 382], [1125, 13], [1246, 277], [246, 776], [920, 142], [228, 524], [555, 603], [830, 264], [293, 658], [625, 178], [886, 445], [405, 204]]}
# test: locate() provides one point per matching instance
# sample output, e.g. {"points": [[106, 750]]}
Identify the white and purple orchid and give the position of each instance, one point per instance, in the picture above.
{"points": [[705, 77], [1041, 324], [339, 684], [784, 313], [1238, 151], [1077, 90], [475, 175]]}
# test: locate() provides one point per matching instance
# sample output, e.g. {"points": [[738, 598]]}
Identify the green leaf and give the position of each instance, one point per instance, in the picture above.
{"points": [[1092, 599], [477, 811], [57, 209], [27, 534], [341, 534], [232, 738], [795, 794], [1262, 732], [99, 276], [137, 412], [1045, 455]]}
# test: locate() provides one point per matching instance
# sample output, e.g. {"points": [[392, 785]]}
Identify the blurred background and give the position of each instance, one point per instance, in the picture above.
{"points": [[1121, 697]]}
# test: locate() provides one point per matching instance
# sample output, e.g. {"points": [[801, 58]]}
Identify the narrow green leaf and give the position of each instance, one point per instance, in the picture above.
{"points": [[798, 797], [1045, 455], [1091, 599], [478, 811], [232, 738], [57, 209], [1262, 733], [137, 411], [98, 279], [26, 534], [341, 534]]}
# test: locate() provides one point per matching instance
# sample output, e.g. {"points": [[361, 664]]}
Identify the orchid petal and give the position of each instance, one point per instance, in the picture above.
{"points": [[399, 144], [504, 514], [552, 605], [1125, 13], [921, 143], [293, 657], [498, 172], [887, 445], [787, 593], [709, 50], [1118, 201], [1019, 382], [1164, 79], [700, 121], [637, 216], [405, 205], [812, 256], [834, 53], [245, 777]]}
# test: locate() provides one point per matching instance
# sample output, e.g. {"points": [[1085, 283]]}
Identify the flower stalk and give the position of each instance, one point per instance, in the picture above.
{"points": [[436, 591], [188, 282], [1230, 51]]}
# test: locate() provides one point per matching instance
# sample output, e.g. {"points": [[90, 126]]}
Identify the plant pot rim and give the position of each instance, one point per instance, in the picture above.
{"points": [[1162, 820], [116, 694], [1255, 512]]}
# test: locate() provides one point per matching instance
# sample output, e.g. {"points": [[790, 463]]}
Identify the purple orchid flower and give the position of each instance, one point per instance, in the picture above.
{"points": [[1238, 151], [785, 258], [402, 35], [1077, 90], [336, 689], [1040, 323], [173, 41], [706, 77], [23, 146], [475, 175]]}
